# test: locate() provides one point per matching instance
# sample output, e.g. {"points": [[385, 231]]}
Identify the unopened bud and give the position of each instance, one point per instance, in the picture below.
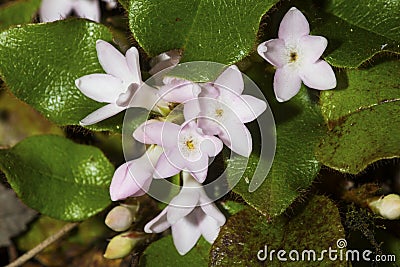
{"points": [[120, 218], [388, 207], [122, 244]]}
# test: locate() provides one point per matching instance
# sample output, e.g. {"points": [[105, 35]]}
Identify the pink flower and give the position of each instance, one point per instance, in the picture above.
{"points": [[121, 87], [190, 214], [178, 90], [296, 56], [185, 148], [134, 177], [222, 110]]}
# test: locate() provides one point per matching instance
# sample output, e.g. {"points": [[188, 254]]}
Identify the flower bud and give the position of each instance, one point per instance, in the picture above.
{"points": [[119, 218], [122, 244], [388, 207]]}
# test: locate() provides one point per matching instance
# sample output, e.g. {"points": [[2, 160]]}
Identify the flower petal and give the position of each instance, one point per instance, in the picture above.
{"points": [[191, 109], [293, 26], [211, 145], [132, 59], [185, 234], [211, 210], [165, 60], [178, 90], [312, 47], [140, 135], [87, 9], [100, 87], [146, 97], [164, 134], [231, 79], [273, 51], [199, 168], [287, 83], [164, 168], [208, 226], [158, 224], [101, 114], [237, 137], [183, 204], [112, 61], [318, 76], [123, 184], [248, 107], [52, 10]]}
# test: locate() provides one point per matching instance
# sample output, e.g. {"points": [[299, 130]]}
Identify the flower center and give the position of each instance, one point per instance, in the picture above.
{"points": [[293, 57], [219, 112], [190, 144]]}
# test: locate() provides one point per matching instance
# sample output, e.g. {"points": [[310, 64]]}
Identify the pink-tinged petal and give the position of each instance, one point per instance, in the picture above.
{"points": [[185, 234], [238, 138], [158, 224], [247, 108], [200, 175], [164, 134], [140, 135], [146, 97], [178, 90], [132, 59], [198, 169], [87, 9], [112, 61], [312, 47], [183, 204], [191, 110], [211, 145], [164, 168], [318, 76], [287, 83], [211, 210], [293, 26], [273, 51], [123, 185], [100, 87], [52, 10], [231, 79], [101, 114], [208, 226], [209, 126]]}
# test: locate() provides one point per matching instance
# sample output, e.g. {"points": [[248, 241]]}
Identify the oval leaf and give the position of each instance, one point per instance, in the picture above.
{"points": [[40, 63], [18, 12], [205, 30], [57, 177], [363, 119]]}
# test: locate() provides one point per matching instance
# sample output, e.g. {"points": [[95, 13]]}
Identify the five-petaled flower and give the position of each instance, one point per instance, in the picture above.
{"points": [[52, 10], [190, 214], [296, 56], [185, 146], [121, 87]]}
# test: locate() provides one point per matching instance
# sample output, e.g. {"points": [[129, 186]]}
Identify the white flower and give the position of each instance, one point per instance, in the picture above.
{"points": [[52, 10], [296, 56], [121, 86], [190, 214], [185, 148], [222, 110]]}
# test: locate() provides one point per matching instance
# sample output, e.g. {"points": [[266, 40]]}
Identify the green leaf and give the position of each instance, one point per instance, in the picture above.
{"points": [[18, 12], [298, 127], [40, 63], [164, 254], [57, 177], [205, 30], [363, 118], [316, 226], [358, 30]]}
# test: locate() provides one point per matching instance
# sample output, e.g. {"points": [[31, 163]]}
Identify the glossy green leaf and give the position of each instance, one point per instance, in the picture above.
{"points": [[40, 63], [363, 117], [358, 30], [18, 12], [57, 177], [162, 253], [316, 226], [208, 30], [298, 127]]}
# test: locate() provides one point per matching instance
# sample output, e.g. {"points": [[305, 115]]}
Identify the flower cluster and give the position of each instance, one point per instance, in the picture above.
{"points": [[214, 114]]}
